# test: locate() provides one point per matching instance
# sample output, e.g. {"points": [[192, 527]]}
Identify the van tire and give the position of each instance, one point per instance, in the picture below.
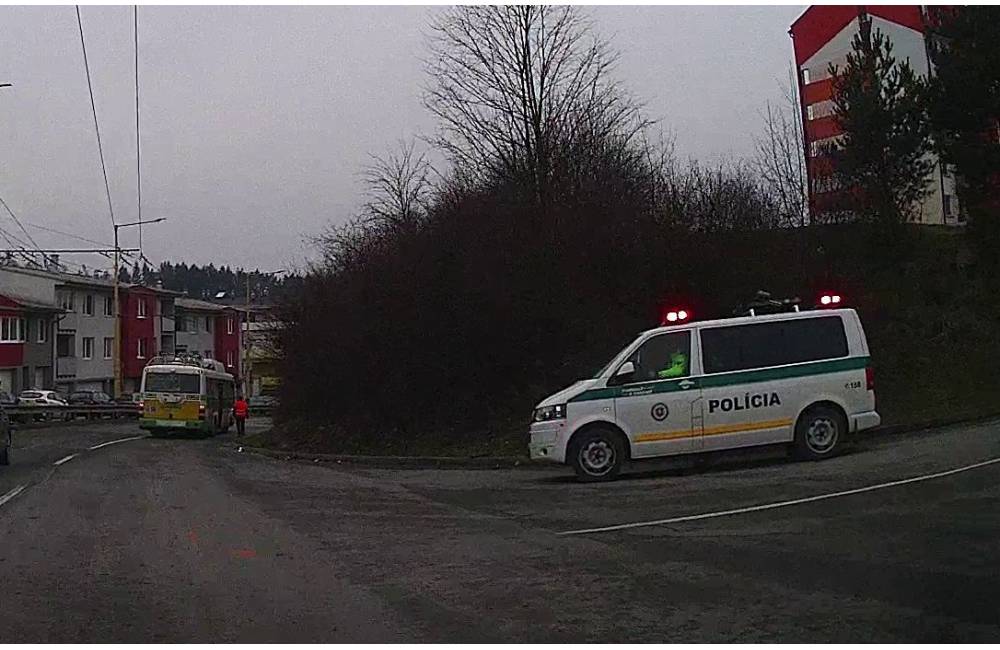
{"points": [[820, 433], [597, 454]]}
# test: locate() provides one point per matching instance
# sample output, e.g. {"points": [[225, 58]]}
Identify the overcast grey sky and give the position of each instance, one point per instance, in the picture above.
{"points": [[256, 120]]}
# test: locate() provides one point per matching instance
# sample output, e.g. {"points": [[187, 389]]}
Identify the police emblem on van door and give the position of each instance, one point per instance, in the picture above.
{"points": [[659, 412]]}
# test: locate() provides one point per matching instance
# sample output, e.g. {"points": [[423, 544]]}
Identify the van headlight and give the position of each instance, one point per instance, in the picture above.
{"points": [[546, 413]]}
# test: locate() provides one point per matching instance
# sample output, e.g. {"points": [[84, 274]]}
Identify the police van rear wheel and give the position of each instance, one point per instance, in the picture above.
{"points": [[819, 433], [597, 455]]}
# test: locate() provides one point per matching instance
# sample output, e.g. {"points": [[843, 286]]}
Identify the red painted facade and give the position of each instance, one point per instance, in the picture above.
{"points": [[11, 354], [227, 340], [137, 328], [820, 23], [818, 26]]}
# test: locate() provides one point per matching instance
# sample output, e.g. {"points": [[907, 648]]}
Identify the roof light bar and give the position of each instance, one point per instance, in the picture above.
{"points": [[676, 316], [829, 299]]}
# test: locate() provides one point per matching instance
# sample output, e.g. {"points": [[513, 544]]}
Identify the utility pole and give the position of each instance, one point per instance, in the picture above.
{"points": [[116, 353]]}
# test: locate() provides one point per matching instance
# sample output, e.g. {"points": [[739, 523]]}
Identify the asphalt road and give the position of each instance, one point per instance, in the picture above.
{"points": [[192, 541]]}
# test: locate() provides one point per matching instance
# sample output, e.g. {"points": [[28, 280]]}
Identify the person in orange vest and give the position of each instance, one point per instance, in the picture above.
{"points": [[241, 410]]}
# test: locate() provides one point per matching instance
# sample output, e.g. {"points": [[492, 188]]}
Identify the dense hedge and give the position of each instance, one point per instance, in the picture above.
{"points": [[446, 337]]}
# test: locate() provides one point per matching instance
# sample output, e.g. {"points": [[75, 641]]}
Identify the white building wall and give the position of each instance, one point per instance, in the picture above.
{"points": [[907, 45]]}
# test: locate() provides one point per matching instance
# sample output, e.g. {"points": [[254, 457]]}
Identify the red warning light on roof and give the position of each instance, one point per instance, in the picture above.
{"points": [[675, 316], [829, 299]]}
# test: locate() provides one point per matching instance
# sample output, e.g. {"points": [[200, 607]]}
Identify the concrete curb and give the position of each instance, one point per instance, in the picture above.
{"points": [[937, 423], [403, 462], [517, 462]]}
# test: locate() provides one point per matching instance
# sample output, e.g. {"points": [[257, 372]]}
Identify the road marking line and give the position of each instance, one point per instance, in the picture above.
{"points": [[114, 442], [13, 493], [779, 504], [65, 460]]}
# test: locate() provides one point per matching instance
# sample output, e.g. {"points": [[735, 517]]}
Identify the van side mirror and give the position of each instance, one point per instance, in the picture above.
{"points": [[625, 374]]}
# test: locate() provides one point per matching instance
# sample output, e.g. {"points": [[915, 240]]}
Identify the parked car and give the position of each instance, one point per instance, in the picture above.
{"points": [[89, 398], [49, 400], [130, 399], [41, 398], [7, 399]]}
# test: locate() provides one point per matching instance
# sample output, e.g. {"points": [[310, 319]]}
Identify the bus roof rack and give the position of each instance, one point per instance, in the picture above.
{"points": [[763, 303], [186, 359]]}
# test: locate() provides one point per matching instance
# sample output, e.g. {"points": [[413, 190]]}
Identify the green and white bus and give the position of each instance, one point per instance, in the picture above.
{"points": [[186, 393]]}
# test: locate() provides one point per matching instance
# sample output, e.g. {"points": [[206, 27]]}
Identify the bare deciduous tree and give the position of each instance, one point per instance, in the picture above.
{"points": [[511, 84], [398, 187], [779, 158], [726, 197]]}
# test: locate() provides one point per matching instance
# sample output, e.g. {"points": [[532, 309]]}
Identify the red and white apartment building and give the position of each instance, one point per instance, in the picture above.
{"points": [[822, 36], [57, 330]]}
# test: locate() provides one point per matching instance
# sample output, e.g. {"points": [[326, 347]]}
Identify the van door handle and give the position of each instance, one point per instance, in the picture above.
{"points": [[687, 383]]}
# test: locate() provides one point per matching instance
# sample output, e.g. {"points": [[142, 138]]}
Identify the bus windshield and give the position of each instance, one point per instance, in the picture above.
{"points": [[172, 382]]}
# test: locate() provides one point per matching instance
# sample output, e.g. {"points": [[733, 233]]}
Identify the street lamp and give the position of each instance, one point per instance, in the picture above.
{"points": [[116, 350], [246, 337]]}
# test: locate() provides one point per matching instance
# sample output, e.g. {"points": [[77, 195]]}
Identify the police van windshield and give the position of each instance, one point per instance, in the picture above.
{"points": [[172, 382], [617, 354]]}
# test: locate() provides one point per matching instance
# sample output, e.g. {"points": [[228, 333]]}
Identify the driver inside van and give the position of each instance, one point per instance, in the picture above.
{"points": [[678, 367]]}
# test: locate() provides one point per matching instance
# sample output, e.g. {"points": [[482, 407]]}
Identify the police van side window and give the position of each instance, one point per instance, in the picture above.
{"points": [[666, 356], [778, 343]]}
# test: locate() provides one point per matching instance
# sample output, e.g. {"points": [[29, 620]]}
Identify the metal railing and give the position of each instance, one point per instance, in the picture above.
{"points": [[37, 412]]}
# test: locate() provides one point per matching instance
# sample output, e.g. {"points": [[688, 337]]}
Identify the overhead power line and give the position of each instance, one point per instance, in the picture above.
{"points": [[69, 234], [93, 108], [71, 250], [12, 238], [17, 221]]}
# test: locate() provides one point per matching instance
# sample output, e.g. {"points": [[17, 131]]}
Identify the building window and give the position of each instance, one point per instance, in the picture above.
{"points": [[43, 331], [947, 206], [12, 330], [142, 308], [88, 347], [109, 306], [230, 358], [805, 75], [65, 346], [762, 345], [108, 347], [141, 351], [66, 300], [208, 323], [88, 305], [810, 113], [180, 323], [230, 325], [208, 354]]}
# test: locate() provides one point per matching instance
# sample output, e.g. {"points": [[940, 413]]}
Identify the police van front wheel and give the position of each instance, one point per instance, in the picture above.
{"points": [[819, 433], [597, 455]]}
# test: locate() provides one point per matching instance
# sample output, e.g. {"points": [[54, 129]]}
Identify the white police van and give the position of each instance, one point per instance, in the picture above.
{"points": [[790, 376]]}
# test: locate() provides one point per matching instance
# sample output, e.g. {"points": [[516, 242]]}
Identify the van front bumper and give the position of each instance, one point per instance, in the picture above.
{"points": [[866, 420], [548, 441]]}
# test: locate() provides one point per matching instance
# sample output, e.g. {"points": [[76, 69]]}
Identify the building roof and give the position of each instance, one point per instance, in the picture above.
{"points": [[84, 280], [192, 304], [64, 278], [30, 304]]}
